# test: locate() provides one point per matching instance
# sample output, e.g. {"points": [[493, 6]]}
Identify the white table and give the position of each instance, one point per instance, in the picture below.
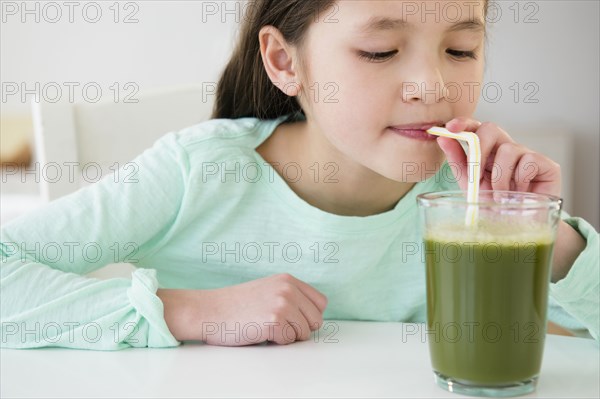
{"points": [[346, 359]]}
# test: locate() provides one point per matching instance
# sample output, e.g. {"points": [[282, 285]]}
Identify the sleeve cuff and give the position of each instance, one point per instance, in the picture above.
{"points": [[142, 295], [579, 291]]}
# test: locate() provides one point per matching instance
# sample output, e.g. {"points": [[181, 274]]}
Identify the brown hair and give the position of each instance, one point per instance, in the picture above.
{"points": [[244, 89]]}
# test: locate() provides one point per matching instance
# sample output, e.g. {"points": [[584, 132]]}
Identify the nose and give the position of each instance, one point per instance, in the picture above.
{"points": [[423, 82]]}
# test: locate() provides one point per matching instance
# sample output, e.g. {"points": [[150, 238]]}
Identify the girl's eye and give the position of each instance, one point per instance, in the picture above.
{"points": [[377, 57], [461, 54]]}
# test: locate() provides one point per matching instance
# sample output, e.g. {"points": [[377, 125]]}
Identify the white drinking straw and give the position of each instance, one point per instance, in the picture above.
{"points": [[474, 161]]}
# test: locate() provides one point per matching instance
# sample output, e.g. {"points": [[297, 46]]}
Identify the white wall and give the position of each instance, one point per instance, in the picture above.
{"points": [[168, 46], [171, 45]]}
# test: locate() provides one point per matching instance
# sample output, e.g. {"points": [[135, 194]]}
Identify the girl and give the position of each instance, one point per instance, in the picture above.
{"points": [[296, 203]]}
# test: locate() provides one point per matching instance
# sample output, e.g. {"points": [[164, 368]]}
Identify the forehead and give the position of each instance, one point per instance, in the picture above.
{"points": [[372, 16]]}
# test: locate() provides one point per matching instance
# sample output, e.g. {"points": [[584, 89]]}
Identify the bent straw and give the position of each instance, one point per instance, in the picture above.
{"points": [[474, 161]]}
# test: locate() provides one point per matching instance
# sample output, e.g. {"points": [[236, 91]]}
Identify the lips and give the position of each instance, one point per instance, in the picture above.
{"points": [[418, 126], [416, 130]]}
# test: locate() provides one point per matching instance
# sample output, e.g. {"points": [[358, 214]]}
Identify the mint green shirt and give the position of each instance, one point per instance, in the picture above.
{"points": [[203, 210]]}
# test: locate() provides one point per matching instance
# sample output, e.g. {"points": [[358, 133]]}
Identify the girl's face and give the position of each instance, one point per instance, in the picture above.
{"points": [[379, 72]]}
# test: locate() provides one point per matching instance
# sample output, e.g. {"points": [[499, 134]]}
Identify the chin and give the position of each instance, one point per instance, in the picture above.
{"points": [[412, 171]]}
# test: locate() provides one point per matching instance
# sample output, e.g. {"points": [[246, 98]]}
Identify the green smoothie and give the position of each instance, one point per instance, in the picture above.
{"points": [[487, 295]]}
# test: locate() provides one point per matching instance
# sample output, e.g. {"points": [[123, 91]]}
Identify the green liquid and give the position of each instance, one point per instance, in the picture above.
{"points": [[486, 309]]}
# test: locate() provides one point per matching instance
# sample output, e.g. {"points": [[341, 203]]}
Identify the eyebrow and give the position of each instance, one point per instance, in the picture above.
{"points": [[383, 23], [474, 25], [375, 24]]}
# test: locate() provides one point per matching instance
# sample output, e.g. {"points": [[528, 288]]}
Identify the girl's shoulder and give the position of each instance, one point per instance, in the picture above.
{"points": [[217, 134]]}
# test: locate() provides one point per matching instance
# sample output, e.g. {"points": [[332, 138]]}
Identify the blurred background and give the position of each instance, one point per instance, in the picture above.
{"points": [[542, 79]]}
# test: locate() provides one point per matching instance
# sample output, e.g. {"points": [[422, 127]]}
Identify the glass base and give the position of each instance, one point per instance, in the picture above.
{"points": [[466, 388]]}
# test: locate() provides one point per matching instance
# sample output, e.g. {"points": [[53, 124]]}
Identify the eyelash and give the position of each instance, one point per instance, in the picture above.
{"points": [[377, 57], [461, 54], [381, 57]]}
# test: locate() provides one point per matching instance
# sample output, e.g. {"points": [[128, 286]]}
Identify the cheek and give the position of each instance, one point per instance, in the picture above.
{"points": [[466, 104], [355, 121], [340, 88], [344, 110], [464, 91], [345, 134]]}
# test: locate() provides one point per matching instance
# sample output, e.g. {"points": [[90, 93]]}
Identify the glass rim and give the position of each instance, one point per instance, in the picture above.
{"points": [[446, 198]]}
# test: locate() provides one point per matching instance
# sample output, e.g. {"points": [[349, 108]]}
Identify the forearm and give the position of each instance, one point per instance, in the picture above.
{"points": [[182, 308], [569, 244]]}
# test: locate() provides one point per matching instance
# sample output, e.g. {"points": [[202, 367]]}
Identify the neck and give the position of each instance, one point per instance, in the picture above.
{"points": [[330, 181]]}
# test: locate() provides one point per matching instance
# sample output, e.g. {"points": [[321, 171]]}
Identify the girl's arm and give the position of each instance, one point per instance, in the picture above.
{"points": [[46, 300], [568, 246], [578, 289]]}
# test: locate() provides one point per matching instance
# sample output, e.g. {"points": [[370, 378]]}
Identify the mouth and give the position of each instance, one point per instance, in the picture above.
{"points": [[417, 131]]}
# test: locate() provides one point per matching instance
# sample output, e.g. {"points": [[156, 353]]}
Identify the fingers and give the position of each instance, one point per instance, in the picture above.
{"points": [[300, 312], [293, 328], [278, 308], [538, 174], [292, 325], [300, 324], [519, 169], [463, 124], [490, 136], [505, 165], [504, 174], [318, 299], [457, 159], [455, 154], [313, 315]]}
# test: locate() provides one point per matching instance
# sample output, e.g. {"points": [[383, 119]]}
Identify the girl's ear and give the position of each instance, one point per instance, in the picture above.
{"points": [[278, 59]]}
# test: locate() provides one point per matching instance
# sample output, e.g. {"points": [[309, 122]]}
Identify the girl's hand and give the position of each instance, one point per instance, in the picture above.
{"points": [[278, 308], [505, 165]]}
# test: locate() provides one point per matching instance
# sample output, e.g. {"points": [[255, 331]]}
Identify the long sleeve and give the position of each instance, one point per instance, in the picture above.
{"points": [[46, 300], [578, 293]]}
